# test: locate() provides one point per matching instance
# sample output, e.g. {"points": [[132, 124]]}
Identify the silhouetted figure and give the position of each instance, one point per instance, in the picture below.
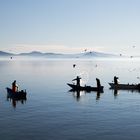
{"points": [[77, 79], [115, 80], [98, 83], [14, 86]]}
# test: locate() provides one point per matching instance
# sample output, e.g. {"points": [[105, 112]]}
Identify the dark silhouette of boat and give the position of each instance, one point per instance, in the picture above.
{"points": [[16, 95], [125, 86], [85, 88]]}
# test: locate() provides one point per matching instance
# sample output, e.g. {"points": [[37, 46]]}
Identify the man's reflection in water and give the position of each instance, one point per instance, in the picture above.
{"points": [[78, 95], [98, 94], [115, 93]]}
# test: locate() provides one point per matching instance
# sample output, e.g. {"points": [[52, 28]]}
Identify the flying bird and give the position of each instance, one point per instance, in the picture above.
{"points": [[74, 65]]}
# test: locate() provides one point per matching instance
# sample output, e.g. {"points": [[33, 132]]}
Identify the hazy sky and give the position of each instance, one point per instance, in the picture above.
{"points": [[70, 25]]}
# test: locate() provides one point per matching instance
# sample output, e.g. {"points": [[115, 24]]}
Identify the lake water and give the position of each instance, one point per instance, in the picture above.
{"points": [[51, 112]]}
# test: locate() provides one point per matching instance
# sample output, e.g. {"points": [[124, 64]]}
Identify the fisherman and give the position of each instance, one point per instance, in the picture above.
{"points": [[98, 83], [78, 80], [14, 86], [115, 80]]}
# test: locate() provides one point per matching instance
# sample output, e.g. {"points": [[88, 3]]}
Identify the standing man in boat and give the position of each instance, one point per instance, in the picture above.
{"points": [[78, 80], [115, 80], [14, 86], [98, 83]]}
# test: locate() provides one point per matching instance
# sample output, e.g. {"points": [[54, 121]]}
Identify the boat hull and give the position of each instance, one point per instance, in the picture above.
{"points": [[16, 95], [85, 88], [125, 86]]}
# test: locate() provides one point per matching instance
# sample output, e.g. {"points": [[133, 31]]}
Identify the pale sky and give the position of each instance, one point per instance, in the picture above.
{"points": [[70, 26]]}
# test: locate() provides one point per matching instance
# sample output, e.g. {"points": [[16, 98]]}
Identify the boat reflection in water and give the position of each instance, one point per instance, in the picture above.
{"points": [[78, 94], [118, 91], [15, 101]]}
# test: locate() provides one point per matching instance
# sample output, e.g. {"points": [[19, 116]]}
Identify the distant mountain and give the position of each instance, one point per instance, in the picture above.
{"points": [[58, 55], [97, 54], [39, 54], [92, 54], [2, 53], [34, 53]]}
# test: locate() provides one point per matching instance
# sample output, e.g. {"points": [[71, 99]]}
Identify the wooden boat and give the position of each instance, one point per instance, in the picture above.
{"points": [[85, 88], [16, 95], [125, 86]]}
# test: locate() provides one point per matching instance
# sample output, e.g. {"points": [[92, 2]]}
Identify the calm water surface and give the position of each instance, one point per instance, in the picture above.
{"points": [[51, 112]]}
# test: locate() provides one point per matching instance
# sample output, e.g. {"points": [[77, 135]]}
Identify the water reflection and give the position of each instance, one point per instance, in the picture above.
{"points": [[98, 94], [14, 101], [116, 93], [78, 94]]}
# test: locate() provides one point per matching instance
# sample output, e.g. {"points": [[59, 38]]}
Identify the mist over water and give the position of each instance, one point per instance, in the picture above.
{"points": [[52, 112]]}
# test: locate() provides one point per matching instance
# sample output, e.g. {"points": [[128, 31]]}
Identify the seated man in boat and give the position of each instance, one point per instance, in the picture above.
{"points": [[78, 80], [115, 80], [14, 86]]}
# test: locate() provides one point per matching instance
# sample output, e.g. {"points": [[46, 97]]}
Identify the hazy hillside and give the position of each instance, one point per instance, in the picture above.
{"points": [[5, 54], [97, 54], [58, 55]]}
